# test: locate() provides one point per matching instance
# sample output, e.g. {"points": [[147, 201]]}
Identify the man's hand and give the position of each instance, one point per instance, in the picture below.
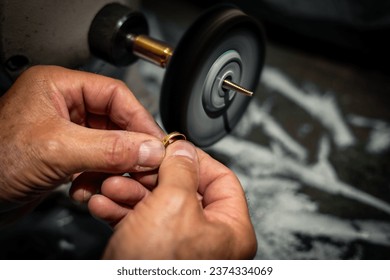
{"points": [[197, 210], [56, 122]]}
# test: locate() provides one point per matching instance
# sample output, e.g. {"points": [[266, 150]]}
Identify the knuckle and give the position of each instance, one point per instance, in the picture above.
{"points": [[116, 86], [119, 84], [32, 70], [50, 148], [36, 71], [49, 151]]}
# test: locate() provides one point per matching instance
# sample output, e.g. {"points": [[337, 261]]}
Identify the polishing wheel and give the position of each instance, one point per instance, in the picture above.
{"points": [[210, 75], [223, 44]]}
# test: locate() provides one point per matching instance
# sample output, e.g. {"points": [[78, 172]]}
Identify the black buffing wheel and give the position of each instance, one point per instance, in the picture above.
{"points": [[223, 43]]}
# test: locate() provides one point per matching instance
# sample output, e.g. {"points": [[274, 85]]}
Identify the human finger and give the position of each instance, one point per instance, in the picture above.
{"points": [[71, 149], [218, 181], [104, 208], [85, 93], [148, 179], [86, 185], [123, 190], [179, 170]]}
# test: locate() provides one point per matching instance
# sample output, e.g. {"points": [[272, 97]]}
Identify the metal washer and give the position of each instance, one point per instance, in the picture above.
{"points": [[216, 99]]}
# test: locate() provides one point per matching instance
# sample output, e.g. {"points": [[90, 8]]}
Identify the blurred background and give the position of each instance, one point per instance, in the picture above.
{"points": [[312, 151]]}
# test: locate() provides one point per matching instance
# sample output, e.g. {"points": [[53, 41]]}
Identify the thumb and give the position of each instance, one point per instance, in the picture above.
{"points": [[179, 170], [85, 149]]}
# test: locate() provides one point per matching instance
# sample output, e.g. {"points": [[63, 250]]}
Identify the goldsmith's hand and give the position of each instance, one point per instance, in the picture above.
{"points": [[56, 122], [197, 210]]}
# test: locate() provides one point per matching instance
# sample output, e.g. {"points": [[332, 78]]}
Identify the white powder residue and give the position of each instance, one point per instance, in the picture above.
{"points": [[257, 115], [281, 213], [379, 139], [257, 159], [323, 107]]}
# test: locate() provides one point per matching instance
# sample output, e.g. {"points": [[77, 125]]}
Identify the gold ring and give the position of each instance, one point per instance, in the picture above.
{"points": [[172, 137]]}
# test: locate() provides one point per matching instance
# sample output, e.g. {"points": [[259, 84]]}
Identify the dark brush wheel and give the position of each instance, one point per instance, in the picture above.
{"points": [[223, 43]]}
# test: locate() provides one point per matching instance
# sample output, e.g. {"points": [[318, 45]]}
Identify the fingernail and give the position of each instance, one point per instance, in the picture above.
{"points": [[182, 148], [87, 194], [151, 154]]}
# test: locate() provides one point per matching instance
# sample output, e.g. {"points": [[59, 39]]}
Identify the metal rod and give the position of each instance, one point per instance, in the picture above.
{"points": [[226, 84], [160, 54]]}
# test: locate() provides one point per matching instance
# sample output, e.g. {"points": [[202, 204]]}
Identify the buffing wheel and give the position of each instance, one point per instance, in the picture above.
{"points": [[223, 43]]}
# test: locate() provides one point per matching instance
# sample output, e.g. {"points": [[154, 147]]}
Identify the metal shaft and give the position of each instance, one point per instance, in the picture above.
{"points": [[160, 53], [226, 84], [151, 50]]}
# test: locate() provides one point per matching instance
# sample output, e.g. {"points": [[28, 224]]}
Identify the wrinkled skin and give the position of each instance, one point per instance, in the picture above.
{"points": [[197, 211], [58, 125]]}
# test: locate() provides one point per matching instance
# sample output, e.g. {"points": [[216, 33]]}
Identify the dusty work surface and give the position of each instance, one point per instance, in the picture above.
{"points": [[312, 153]]}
